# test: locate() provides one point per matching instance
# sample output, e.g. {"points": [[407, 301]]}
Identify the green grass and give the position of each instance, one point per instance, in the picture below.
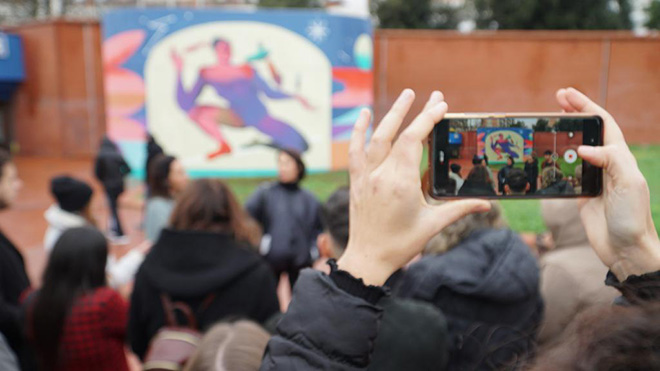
{"points": [[522, 215]]}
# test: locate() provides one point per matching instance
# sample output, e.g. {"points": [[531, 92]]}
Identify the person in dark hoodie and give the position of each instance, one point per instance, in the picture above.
{"points": [[477, 183], [202, 260], [289, 216], [110, 170], [386, 233], [13, 279], [413, 334], [486, 281], [503, 174], [532, 172]]}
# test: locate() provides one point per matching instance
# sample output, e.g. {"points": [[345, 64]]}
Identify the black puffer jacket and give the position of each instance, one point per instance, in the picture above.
{"points": [[336, 323], [290, 215], [488, 288]]}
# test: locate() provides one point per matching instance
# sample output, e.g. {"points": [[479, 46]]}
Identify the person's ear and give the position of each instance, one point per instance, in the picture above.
{"points": [[507, 190], [323, 243]]}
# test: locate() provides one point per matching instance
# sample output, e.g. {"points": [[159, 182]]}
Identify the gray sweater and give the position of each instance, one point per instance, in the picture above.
{"points": [[157, 216]]}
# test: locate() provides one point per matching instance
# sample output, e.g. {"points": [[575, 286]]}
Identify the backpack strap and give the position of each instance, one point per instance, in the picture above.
{"points": [[170, 317], [170, 307]]}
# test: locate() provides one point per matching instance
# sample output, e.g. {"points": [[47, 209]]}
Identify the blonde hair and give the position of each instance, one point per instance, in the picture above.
{"points": [[456, 232], [237, 346]]}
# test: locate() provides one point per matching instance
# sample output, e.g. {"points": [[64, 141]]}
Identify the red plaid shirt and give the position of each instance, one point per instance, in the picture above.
{"points": [[94, 334]]}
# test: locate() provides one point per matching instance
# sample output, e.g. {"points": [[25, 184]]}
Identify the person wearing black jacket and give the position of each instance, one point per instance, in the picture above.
{"points": [[203, 261], [487, 285], [110, 170], [477, 183], [289, 216], [13, 278], [532, 172], [387, 232], [503, 174], [413, 333]]}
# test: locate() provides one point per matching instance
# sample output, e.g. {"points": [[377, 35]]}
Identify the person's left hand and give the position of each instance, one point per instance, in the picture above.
{"points": [[390, 220]]}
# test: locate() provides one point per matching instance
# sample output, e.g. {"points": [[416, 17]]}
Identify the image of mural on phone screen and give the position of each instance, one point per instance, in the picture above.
{"points": [[514, 157]]}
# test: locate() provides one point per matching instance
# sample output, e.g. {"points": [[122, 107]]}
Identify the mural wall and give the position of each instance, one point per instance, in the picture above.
{"points": [[221, 90], [500, 143]]}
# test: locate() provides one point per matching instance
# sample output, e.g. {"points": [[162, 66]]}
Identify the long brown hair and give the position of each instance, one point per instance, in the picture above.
{"points": [[209, 205]]}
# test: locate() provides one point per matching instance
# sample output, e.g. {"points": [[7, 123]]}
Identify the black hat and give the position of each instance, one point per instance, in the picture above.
{"points": [[71, 194]]}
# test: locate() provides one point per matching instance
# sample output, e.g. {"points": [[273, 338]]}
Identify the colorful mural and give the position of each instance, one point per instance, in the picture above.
{"points": [[499, 143], [221, 89]]}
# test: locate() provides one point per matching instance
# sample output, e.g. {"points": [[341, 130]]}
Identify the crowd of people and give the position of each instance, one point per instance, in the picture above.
{"points": [[400, 281], [515, 181]]}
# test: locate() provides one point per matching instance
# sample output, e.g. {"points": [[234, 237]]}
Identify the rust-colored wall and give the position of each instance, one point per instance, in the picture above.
{"points": [[58, 110], [514, 71]]}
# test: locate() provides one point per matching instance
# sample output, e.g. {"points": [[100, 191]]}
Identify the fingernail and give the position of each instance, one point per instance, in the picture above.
{"points": [[435, 95], [406, 94]]}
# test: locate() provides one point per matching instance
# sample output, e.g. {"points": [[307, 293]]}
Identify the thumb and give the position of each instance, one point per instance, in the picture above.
{"points": [[597, 156], [447, 213]]}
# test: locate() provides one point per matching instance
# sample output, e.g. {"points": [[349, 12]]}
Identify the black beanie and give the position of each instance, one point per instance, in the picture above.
{"points": [[71, 194]]}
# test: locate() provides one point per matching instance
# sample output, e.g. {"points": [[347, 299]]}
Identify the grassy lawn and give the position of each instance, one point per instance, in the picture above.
{"points": [[524, 215]]}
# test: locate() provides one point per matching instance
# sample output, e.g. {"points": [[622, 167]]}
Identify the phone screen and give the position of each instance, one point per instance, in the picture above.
{"points": [[514, 157]]}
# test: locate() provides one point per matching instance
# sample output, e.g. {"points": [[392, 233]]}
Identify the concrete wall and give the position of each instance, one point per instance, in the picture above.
{"points": [[58, 110], [514, 71]]}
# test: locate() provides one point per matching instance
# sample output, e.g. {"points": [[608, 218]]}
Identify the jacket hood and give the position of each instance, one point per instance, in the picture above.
{"points": [[193, 263], [493, 264], [63, 220]]}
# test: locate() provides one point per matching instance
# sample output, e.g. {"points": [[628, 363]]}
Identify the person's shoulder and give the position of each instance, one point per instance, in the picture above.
{"points": [[159, 203], [102, 298]]}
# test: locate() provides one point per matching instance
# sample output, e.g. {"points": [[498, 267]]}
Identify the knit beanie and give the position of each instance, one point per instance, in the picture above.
{"points": [[71, 194]]}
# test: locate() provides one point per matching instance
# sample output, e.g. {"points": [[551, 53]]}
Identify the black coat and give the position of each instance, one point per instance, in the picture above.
{"points": [[532, 172], [111, 168], [501, 177], [188, 266], [291, 216], [488, 288], [13, 282], [328, 328], [470, 188]]}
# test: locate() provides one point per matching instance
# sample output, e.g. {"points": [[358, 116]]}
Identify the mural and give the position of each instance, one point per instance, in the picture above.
{"points": [[499, 143], [220, 90]]}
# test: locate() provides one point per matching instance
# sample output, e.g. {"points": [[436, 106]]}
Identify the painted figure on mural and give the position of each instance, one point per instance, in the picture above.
{"points": [[503, 145], [243, 88]]}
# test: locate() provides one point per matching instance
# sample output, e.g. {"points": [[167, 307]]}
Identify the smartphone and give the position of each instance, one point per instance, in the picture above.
{"points": [[509, 156]]}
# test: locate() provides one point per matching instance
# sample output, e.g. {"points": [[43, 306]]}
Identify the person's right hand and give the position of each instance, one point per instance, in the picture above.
{"points": [[390, 220], [619, 222]]}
